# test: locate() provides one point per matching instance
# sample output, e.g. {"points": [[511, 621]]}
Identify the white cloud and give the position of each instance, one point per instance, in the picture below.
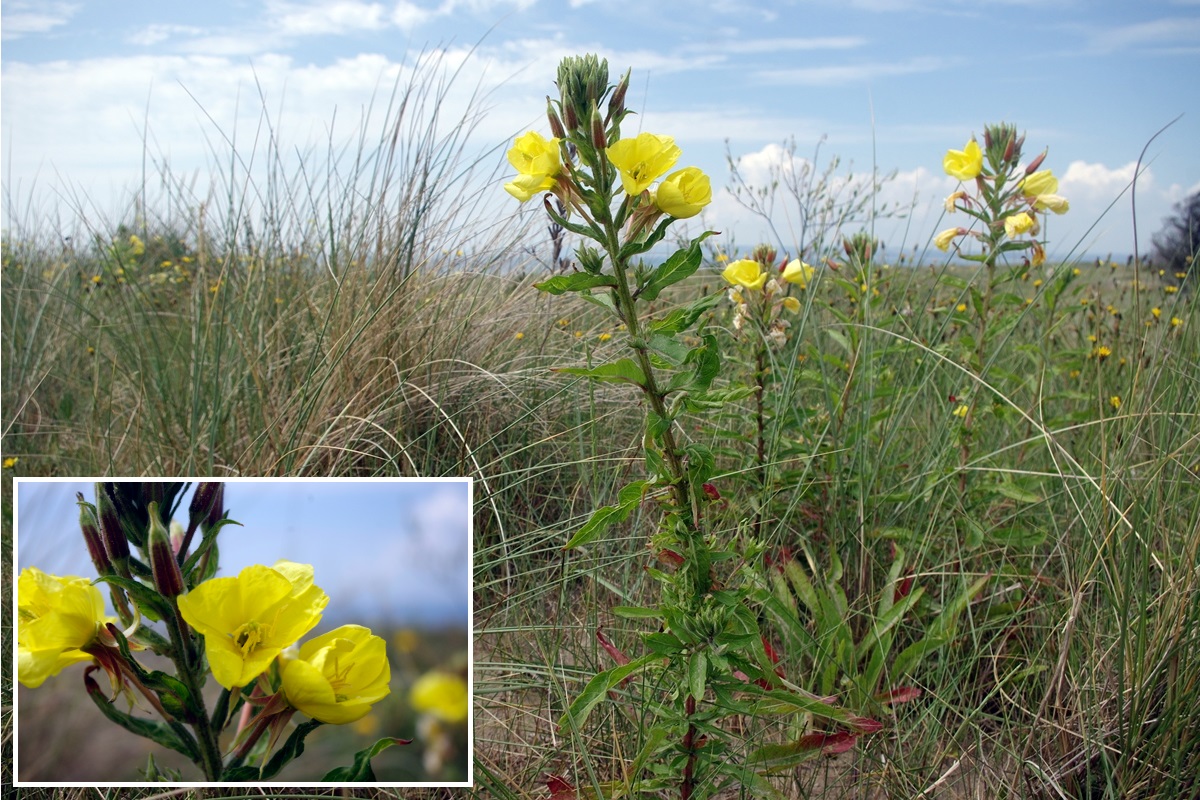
{"points": [[327, 18], [740, 46], [1101, 180], [155, 33], [22, 18], [1169, 31], [851, 73]]}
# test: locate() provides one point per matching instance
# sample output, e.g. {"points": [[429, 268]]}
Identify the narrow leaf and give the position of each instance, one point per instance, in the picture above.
{"points": [[576, 281], [361, 770]]}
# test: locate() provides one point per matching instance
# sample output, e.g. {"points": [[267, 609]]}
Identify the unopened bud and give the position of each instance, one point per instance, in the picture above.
{"points": [[1037, 162], [616, 103], [111, 530], [92, 538], [206, 496], [599, 137], [168, 580], [556, 126]]}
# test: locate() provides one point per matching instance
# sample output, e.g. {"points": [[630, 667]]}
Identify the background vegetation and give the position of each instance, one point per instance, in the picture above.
{"points": [[359, 324]]}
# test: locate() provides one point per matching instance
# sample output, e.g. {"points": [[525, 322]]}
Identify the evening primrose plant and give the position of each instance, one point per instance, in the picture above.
{"points": [[245, 631], [704, 658]]}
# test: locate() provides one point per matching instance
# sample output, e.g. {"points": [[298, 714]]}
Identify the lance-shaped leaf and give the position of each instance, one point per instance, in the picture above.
{"points": [[680, 319], [624, 370], [176, 737], [597, 689], [628, 499], [575, 282], [682, 264], [361, 770]]}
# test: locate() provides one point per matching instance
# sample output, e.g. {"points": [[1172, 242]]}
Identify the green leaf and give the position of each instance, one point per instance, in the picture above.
{"points": [[174, 737], [624, 370], [1014, 492], [361, 770], [597, 689], [148, 600], [636, 612], [576, 281], [292, 748], [629, 498], [680, 319], [697, 674], [682, 264]]}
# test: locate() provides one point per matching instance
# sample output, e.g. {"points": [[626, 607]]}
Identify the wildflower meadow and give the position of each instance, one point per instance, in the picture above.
{"points": [[805, 518]]}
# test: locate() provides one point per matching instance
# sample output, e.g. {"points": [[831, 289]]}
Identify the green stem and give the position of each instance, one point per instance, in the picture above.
{"points": [[206, 736]]}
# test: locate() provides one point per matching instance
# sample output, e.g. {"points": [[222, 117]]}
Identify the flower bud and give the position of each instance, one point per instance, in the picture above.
{"points": [[111, 530], [92, 538], [616, 103], [556, 126], [599, 137], [206, 497], [1037, 162], [168, 580]]}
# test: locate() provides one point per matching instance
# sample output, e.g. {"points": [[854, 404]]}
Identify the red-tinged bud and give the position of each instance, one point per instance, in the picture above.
{"points": [[711, 491], [987, 137], [902, 591], [616, 103], [111, 530], [92, 538], [569, 117], [611, 648], [670, 557], [556, 126], [168, 580], [1037, 162], [599, 136]]}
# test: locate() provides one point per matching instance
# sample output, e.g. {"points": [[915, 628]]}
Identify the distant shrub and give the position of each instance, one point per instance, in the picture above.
{"points": [[1177, 244]]}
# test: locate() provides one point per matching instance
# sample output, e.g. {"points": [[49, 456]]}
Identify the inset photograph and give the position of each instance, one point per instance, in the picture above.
{"points": [[286, 632]]}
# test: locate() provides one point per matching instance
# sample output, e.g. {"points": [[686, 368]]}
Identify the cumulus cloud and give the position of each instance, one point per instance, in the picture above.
{"points": [[22, 18], [852, 73]]}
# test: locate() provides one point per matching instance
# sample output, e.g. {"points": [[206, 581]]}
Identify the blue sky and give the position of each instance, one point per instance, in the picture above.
{"points": [[892, 83], [387, 553]]}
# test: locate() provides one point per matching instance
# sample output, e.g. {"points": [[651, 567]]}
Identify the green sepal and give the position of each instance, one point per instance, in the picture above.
{"points": [[361, 770], [576, 281], [629, 498], [292, 748], [682, 264]]}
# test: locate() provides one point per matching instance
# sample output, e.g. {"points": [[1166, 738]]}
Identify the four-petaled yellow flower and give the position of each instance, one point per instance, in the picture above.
{"points": [[538, 162], [441, 695], [798, 272], [1040, 182], [338, 676], [248, 620], [964, 164], [642, 160], [943, 239], [1016, 224], [745, 273], [683, 193], [56, 617], [791, 304]]}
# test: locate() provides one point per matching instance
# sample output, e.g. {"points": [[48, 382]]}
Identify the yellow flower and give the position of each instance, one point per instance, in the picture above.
{"points": [[9, 463], [961, 307], [1176, 322], [1102, 352], [1016, 224], [1156, 311], [964, 164], [604, 337], [943, 239], [519, 335], [642, 160], [441, 695], [1171, 289], [791, 304], [1051, 202], [533, 154], [524, 187], [1039, 183], [961, 411], [248, 620], [683, 193], [138, 246], [338, 676], [951, 202], [745, 273], [56, 617], [538, 162], [1115, 401], [798, 272]]}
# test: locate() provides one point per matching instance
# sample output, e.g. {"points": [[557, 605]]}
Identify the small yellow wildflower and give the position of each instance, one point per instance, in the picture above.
{"points": [[791, 304], [1102, 352], [961, 307], [962, 411], [9, 463], [1115, 401], [604, 337], [96, 279], [519, 335], [1156, 312], [1076, 272], [1176, 322], [564, 322], [1037, 283], [1171, 289]]}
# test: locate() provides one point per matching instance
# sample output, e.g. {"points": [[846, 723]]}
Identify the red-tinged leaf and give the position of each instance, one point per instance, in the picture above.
{"points": [[670, 557], [839, 743], [865, 724], [611, 648], [903, 589], [560, 788], [901, 694], [770, 651], [711, 491]]}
